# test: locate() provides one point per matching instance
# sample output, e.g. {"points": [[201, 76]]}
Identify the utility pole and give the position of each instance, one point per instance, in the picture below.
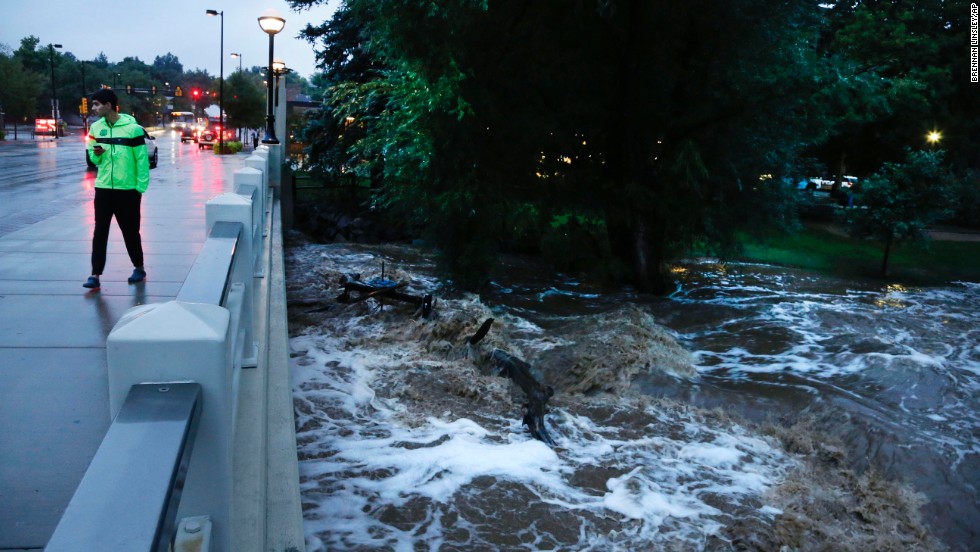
{"points": [[55, 114]]}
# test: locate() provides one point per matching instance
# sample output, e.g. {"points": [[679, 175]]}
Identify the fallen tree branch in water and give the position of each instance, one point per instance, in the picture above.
{"points": [[507, 365], [381, 289]]}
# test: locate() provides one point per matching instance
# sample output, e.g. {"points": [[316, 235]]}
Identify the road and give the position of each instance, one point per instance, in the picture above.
{"points": [[40, 179], [53, 375]]}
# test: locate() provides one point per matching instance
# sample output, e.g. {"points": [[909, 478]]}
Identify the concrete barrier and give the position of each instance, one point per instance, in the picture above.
{"points": [[248, 183], [186, 342], [206, 336], [259, 163]]}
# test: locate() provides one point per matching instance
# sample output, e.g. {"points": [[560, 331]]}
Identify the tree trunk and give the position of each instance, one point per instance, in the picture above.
{"points": [[888, 250], [649, 240], [839, 178], [631, 237]]}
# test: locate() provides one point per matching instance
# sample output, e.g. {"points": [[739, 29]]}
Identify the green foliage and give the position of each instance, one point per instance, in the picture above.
{"points": [[74, 79], [244, 100], [593, 113], [902, 199], [967, 200], [167, 68], [891, 76], [898, 202], [19, 88], [665, 125], [229, 147]]}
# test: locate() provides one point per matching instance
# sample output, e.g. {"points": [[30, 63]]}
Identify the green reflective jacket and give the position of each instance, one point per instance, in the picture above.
{"points": [[125, 164]]}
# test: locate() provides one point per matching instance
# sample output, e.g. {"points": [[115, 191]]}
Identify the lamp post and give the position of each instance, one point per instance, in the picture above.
{"points": [[278, 69], [84, 95], [221, 82], [270, 22], [239, 56], [54, 90]]}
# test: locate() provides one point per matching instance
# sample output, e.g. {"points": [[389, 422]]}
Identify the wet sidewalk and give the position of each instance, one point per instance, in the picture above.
{"points": [[53, 388]]}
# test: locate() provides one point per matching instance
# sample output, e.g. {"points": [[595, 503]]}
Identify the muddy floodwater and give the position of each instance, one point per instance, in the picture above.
{"points": [[756, 408]]}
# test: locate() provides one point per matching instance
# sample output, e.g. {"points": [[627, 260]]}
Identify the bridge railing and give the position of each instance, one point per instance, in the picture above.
{"points": [[128, 498], [200, 341]]}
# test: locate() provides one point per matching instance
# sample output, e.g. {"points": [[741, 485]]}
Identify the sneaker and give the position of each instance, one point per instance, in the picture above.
{"points": [[138, 276], [92, 283]]}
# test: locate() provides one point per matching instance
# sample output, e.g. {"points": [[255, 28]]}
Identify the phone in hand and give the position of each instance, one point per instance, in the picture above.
{"points": [[98, 149]]}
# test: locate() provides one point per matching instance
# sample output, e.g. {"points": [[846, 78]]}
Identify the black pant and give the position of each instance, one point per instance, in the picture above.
{"points": [[125, 206]]}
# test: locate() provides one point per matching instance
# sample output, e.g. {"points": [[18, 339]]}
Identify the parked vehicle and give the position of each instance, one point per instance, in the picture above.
{"points": [[209, 136], [827, 184], [151, 149], [206, 137]]}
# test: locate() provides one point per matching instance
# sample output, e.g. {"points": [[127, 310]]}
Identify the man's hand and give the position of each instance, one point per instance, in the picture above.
{"points": [[98, 149]]}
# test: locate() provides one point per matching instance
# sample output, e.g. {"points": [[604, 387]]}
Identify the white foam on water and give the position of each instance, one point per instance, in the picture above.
{"points": [[376, 477], [917, 351], [363, 466]]}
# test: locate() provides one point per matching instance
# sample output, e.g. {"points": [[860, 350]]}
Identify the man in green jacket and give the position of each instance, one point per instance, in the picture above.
{"points": [[118, 149]]}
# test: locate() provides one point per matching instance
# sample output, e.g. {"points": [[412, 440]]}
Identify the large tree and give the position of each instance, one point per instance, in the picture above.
{"points": [[706, 97], [167, 69], [651, 121], [902, 199], [244, 100], [896, 67], [19, 89], [354, 92]]}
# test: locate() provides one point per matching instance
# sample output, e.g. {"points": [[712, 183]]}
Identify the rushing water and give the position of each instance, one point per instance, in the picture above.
{"points": [[818, 412]]}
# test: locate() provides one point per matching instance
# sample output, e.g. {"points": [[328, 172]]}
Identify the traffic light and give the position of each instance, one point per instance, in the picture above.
{"points": [[84, 108], [129, 89], [196, 94]]}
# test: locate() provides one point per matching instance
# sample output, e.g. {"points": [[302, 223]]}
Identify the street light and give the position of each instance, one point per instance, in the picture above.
{"points": [[279, 69], [221, 82], [239, 56], [270, 22], [54, 90], [934, 137]]}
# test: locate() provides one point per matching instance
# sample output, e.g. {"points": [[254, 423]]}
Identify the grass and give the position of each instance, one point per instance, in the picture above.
{"points": [[818, 249]]}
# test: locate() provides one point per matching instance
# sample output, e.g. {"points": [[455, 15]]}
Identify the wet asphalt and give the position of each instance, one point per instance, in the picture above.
{"points": [[53, 387]]}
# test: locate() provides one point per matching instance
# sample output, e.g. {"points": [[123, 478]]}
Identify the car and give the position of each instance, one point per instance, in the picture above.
{"points": [[209, 136], [151, 149], [827, 184], [188, 133]]}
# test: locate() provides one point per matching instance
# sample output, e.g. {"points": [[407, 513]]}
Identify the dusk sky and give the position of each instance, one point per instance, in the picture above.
{"points": [[147, 29]]}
